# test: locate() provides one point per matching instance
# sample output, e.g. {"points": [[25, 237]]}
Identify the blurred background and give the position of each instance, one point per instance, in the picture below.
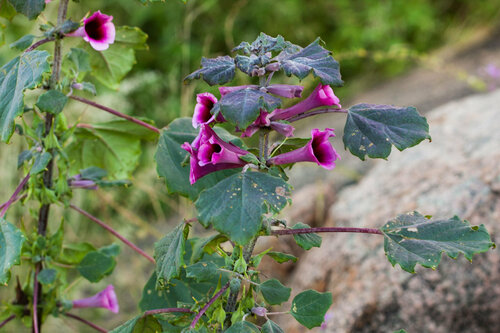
{"points": [[392, 51]]}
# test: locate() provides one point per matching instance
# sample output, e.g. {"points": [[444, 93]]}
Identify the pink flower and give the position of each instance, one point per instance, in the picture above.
{"points": [[263, 120], [47, 1], [105, 299], [285, 90], [319, 150], [326, 319], [202, 116], [209, 153], [98, 30], [321, 96]]}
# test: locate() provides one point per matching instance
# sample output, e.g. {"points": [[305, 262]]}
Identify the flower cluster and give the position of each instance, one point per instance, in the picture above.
{"points": [[209, 153]]}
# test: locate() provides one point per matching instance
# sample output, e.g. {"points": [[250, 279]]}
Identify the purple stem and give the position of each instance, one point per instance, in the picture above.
{"points": [[14, 196], [35, 300], [2, 324], [315, 112], [85, 321], [326, 229], [205, 308], [166, 310], [114, 232], [37, 44], [116, 113]]}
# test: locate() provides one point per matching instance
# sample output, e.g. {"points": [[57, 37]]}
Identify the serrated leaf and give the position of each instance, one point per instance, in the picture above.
{"points": [[214, 71], [30, 8], [169, 253], [412, 239], [41, 162], [242, 107], [281, 257], [95, 266], [21, 73], [274, 292], [23, 43], [203, 271], [47, 276], [170, 156], [235, 205], [110, 66], [271, 327], [132, 37], [309, 307], [372, 129], [243, 327], [265, 43], [53, 101], [11, 243], [247, 64], [147, 324], [306, 241], [313, 59]]}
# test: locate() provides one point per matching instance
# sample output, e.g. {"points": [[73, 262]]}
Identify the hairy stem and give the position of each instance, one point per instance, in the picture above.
{"points": [[3, 323], [86, 322], [116, 113], [113, 231], [325, 229], [166, 310], [205, 308], [37, 44], [14, 196], [315, 112]]}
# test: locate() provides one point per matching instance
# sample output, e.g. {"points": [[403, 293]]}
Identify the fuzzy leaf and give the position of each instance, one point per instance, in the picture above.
{"points": [[372, 129], [96, 265], [274, 292], [235, 205], [53, 101], [243, 327], [214, 71], [47, 276], [11, 242], [306, 241], [169, 253], [21, 73], [41, 162], [309, 307], [148, 324], [132, 37], [271, 327], [203, 271], [30, 8], [110, 66], [22, 43], [412, 239]]}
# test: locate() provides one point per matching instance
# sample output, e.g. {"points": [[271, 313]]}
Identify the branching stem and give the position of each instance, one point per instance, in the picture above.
{"points": [[325, 229], [14, 197], [3, 323], [37, 44], [205, 308]]}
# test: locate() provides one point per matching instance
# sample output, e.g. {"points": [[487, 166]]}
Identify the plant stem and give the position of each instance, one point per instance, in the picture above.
{"points": [[315, 112], [116, 113], [113, 231], [85, 321], [166, 310], [325, 229], [14, 196], [3, 323], [37, 44], [205, 308], [37, 286], [241, 276]]}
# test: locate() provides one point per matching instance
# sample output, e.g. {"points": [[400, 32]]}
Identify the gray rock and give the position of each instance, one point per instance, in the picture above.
{"points": [[458, 173]]}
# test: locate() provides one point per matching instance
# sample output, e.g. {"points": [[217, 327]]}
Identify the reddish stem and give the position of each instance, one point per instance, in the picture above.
{"points": [[205, 308], [85, 321], [114, 232], [315, 112], [116, 113], [3, 323], [37, 44], [14, 196], [326, 229], [166, 310]]}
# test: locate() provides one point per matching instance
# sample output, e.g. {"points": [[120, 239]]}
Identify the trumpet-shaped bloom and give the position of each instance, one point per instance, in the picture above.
{"points": [[105, 299], [98, 30], [318, 150], [209, 153], [204, 104], [264, 121], [321, 96], [285, 90]]}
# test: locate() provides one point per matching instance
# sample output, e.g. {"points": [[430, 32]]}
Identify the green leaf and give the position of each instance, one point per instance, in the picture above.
{"points": [[203, 271], [372, 129], [271, 327], [41, 162], [114, 146], [7, 10], [242, 107], [400, 331], [265, 43], [248, 64], [148, 324], [21, 73], [314, 58], [206, 245], [412, 239], [127, 327], [235, 205], [281, 257], [95, 266], [47, 276], [110, 66], [274, 292], [306, 241], [309, 307], [23, 43], [170, 157], [53, 101], [24, 156], [73, 253], [30, 8], [77, 61], [111, 250], [169, 253], [11, 243], [243, 327], [132, 37], [214, 71]]}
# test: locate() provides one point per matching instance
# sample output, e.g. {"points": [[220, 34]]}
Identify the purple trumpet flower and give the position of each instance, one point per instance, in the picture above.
{"points": [[285, 90], [105, 299], [209, 153], [204, 104], [98, 30], [78, 182], [321, 96], [318, 150], [264, 121]]}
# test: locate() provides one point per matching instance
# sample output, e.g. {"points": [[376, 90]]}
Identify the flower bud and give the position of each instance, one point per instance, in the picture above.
{"points": [[105, 299]]}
